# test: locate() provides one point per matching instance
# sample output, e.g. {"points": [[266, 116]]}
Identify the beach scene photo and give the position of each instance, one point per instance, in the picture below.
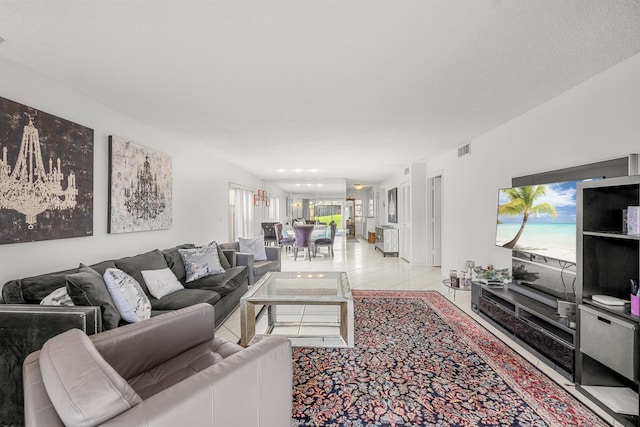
{"points": [[539, 219]]}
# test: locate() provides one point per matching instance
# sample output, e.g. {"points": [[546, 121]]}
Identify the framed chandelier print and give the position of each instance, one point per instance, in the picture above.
{"points": [[393, 205], [46, 176], [140, 188]]}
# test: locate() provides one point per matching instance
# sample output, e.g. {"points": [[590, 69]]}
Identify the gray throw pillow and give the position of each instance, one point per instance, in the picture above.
{"points": [[224, 262], [86, 287], [201, 262]]}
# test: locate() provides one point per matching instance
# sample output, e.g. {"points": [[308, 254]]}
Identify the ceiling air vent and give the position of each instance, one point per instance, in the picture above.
{"points": [[464, 150], [406, 171]]}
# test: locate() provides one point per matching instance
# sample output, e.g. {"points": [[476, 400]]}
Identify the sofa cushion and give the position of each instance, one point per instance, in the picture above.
{"points": [[127, 294], [184, 298], [133, 266], [222, 283], [84, 389], [255, 246], [161, 282], [175, 370], [101, 267], [201, 262], [87, 287], [32, 290], [174, 260]]}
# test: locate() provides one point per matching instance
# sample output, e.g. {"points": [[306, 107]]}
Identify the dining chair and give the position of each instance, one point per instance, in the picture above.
{"points": [[269, 231], [303, 240], [281, 240], [326, 241]]}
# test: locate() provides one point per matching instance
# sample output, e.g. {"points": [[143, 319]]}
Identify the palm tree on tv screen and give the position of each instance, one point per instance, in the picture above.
{"points": [[521, 202]]}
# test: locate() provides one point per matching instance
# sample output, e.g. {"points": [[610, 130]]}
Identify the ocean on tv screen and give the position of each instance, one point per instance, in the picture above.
{"points": [[552, 240]]}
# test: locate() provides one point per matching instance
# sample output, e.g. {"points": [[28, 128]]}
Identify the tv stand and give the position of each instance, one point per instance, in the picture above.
{"points": [[532, 323]]}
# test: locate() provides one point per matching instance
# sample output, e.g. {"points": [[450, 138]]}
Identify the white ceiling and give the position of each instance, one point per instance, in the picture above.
{"points": [[349, 88]]}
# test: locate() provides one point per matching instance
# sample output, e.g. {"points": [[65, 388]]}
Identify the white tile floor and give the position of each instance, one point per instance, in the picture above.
{"points": [[367, 269]]}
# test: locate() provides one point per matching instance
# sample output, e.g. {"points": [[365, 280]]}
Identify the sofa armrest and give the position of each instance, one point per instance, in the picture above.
{"points": [[252, 387], [247, 260], [24, 329], [274, 253]]}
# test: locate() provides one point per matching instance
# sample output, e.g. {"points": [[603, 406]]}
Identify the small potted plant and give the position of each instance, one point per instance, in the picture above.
{"points": [[491, 275]]}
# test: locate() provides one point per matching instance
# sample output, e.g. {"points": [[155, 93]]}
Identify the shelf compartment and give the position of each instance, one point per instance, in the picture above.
{"points": [[552, 331], [608, 265], [505, 319], [605, 205], [621, 400], [610, 340]]}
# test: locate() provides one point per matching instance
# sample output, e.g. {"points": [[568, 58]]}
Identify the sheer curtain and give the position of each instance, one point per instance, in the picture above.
{"points": [[273, 211], [241, 213]]}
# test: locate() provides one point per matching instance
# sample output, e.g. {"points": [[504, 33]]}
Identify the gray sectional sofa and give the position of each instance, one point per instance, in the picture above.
{"points": [[25, 324]]}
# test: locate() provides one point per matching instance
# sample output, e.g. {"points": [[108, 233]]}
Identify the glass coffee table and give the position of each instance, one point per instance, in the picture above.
{"points": [[313, 309]]}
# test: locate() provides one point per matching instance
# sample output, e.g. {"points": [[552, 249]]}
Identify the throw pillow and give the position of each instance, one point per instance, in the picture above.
{"points": [[133, 265], [224, 262], [201, 262], [161, 282], [127, 295], [255, 246], [58, 297], [87, 288]]}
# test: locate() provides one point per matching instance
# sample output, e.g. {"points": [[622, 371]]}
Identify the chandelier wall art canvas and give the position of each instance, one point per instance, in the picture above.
{"points": [[140, 182], [46, 176]]}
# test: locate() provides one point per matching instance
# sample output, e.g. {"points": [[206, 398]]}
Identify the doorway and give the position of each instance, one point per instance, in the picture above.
{"points": [[435, 213], [404, 219]]}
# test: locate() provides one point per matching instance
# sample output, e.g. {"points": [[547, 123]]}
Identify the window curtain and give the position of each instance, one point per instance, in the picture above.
{"points": [[242, 213], [273, 213]]}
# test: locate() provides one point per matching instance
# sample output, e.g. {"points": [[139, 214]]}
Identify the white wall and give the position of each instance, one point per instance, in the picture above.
{"points": [[200, 183], [597, 120]]}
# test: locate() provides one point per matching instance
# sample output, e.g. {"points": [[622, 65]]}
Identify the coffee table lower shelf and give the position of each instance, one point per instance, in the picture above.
{"points": [[311, 309]]}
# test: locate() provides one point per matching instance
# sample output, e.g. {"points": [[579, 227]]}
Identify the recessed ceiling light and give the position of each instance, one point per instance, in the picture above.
{"points": [[298, 170], [1, 40]]}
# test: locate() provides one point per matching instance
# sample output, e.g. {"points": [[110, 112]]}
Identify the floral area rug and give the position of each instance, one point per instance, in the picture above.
{"points": [[419, 360]]}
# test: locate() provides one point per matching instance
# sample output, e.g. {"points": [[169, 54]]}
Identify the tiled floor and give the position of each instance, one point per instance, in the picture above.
{"points": [[367, 269]]}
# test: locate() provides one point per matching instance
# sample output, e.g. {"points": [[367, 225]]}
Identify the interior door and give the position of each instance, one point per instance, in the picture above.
{"points": [[436, 221], [404, 219]]}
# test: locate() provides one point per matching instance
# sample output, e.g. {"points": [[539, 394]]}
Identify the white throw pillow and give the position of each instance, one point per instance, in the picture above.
{"points": [[201, 262], [58, 297], [255, 246], [161, 282], [127, 295]]}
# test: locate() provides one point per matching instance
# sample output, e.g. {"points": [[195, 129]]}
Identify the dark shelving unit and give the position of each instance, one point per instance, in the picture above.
{"points": [[607, 338]]}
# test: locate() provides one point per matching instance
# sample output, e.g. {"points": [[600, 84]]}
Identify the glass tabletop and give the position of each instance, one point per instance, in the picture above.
{"points": [[300, 286]]}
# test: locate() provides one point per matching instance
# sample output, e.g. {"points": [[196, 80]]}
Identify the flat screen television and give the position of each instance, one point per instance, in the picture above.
{"points": [[538, 223], [539, 219]]}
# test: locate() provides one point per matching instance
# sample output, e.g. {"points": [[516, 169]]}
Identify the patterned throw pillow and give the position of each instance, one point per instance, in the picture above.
{"points": [[161, 282], [201, 262], [255, 246], [127, 295], [58, 297]]}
